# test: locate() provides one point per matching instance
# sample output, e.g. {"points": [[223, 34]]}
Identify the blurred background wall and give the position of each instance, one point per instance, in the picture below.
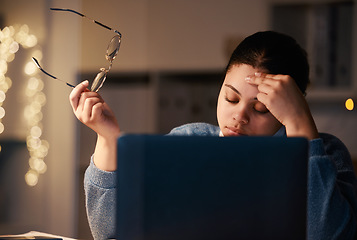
{"points": [[168, 72]]}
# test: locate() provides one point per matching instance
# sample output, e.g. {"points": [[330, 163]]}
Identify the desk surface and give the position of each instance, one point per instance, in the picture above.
{"points": [[32, 234]]}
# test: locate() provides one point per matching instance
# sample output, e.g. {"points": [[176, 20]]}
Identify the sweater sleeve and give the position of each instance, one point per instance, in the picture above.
{"points": [[100, 193], [332, 200]]}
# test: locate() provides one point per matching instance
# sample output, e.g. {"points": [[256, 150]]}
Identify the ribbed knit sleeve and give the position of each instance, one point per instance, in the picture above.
{"points": [[332, 200], [100, 194]]}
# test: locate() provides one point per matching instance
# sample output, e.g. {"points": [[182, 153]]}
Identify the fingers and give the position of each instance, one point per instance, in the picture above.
{"points": [[75, 95], [269, 83], [264, 78], [90, 107], [85, 104], [262, 81]]}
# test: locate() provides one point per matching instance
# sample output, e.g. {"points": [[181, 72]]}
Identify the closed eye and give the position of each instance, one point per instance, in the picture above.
{"points": [[261, 112], [260, 108], [232, 100]]}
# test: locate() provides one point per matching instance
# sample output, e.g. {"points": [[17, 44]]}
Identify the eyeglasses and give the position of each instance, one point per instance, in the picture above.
{"points": [[112, 51]]}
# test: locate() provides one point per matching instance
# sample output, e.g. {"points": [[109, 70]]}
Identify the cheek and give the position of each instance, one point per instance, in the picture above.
{"points": [[222, 110], [219, 110], [265, 125]]}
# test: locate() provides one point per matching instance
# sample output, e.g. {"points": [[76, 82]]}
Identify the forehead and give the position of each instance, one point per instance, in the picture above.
{"points": [[236, 78]]}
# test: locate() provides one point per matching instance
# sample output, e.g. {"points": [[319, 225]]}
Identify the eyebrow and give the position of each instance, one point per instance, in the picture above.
{"points": [[235, 90]]}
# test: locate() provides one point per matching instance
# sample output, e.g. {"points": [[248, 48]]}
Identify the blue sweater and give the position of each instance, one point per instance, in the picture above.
{"points": [[332, 189]]}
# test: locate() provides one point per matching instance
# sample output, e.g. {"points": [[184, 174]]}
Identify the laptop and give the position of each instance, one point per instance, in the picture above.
{"points": [[191, 187]]}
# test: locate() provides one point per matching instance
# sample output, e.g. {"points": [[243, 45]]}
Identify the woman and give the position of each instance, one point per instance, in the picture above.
{"points": [[262, 94]]}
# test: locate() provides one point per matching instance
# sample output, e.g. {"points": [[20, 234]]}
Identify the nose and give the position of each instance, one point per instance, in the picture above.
{"points": [[241, 115]]}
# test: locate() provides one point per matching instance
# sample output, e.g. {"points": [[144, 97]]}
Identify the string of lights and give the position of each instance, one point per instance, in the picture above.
{"points": [[11, 39]]}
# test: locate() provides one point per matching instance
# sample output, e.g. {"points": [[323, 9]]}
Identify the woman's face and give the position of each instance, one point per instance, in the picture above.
{"points": [[239, 113]]}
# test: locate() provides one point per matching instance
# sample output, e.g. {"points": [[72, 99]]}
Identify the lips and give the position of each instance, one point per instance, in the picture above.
{"points": [[232, 131]]}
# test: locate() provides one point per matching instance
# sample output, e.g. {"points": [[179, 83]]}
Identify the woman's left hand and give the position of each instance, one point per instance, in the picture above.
{"points": [[283, 98]]}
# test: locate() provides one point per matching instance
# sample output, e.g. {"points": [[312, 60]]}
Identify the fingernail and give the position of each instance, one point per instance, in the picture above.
{"points": [[85, 82], [248, 78], [257, 74]]}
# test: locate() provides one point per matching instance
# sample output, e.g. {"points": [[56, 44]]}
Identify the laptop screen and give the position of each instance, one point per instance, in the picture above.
{"points": [[180, 187]]}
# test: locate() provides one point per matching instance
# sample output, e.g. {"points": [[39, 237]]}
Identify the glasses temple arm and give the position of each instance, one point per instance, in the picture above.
{"points": [[50, 75], [67, 10], [82, 15]]}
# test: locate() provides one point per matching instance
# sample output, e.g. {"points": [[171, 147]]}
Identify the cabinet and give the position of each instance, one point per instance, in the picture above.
{"points": [[326, 31]]}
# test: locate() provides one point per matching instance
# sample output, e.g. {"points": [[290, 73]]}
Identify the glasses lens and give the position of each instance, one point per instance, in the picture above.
{"points": [[113, 48], [98, 81]]}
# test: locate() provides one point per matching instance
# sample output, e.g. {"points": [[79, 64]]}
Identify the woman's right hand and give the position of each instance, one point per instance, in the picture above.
{"points": [[91, 110]]}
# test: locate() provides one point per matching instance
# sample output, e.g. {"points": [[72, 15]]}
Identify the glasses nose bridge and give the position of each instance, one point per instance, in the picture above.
{"points": [[110, 56], [109, 68]]}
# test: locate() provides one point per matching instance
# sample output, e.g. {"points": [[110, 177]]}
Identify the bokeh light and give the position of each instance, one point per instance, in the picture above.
{"points": [[349, 104], [30, 68], [2, 127], [2, 96], [12, 38], [31, 178], [2, 112]]}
